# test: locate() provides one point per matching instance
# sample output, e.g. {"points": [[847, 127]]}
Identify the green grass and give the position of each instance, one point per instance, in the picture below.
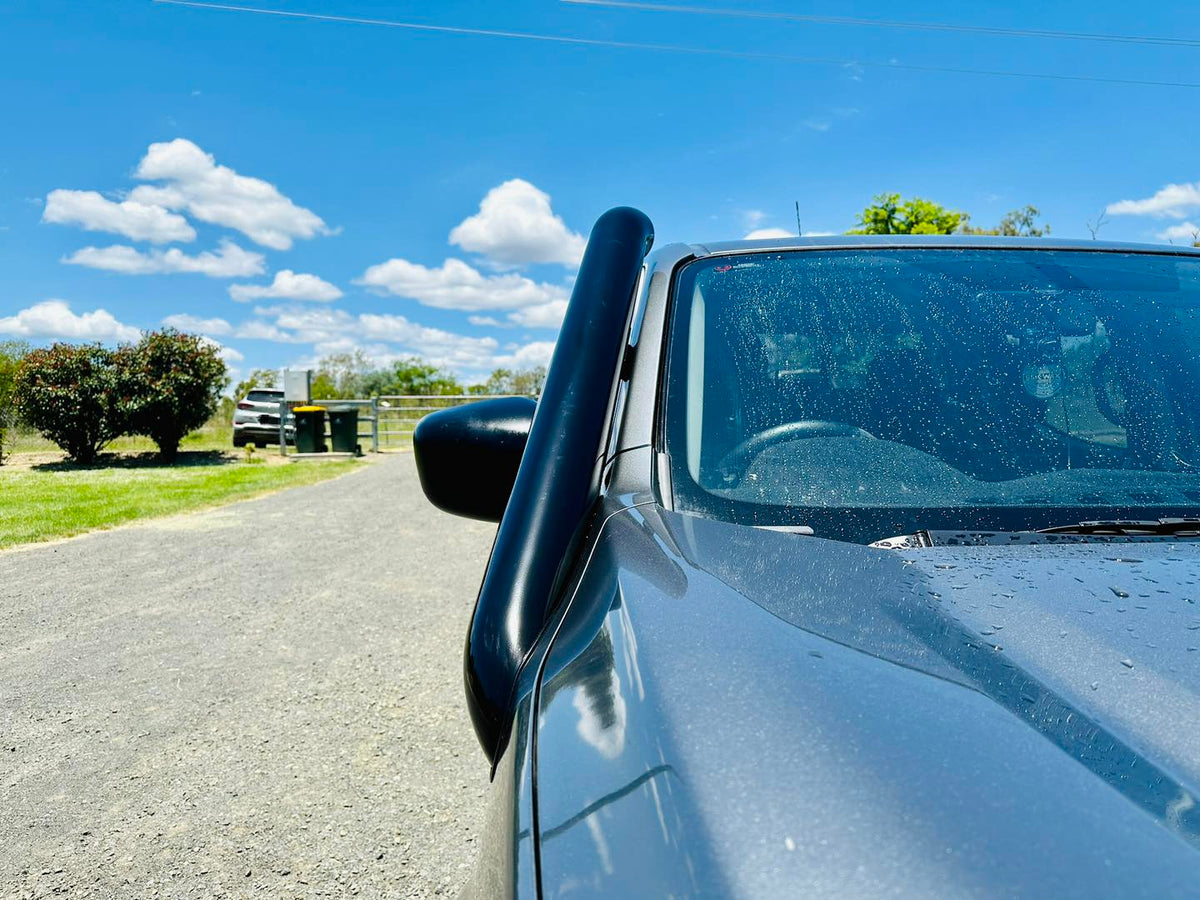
{"points": [[210, 437], [61, 500]]}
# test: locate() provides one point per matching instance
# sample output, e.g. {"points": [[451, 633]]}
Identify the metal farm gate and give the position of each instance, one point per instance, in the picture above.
{"points": [[387, 422]]}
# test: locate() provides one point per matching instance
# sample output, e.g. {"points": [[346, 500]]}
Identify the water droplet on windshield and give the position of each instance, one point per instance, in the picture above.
{"points": [[1127, 663], [1120, 593]]}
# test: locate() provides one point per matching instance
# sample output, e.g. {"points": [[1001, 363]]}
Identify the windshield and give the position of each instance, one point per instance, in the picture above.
{"points": [[265, 396], [867, 393]]}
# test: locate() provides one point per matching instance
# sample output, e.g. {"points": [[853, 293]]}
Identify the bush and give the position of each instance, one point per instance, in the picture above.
{"points": [[72, 394], [173, 383]]}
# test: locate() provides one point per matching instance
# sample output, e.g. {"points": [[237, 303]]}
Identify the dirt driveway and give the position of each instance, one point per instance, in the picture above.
{"points": [[259, 700]]}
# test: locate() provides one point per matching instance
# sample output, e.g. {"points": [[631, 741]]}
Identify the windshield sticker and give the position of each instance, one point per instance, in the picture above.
{"points": [[1042, 381]]}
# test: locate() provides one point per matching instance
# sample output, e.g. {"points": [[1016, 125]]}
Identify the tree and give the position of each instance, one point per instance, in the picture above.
{"points": [[323, 387], [410, 375], [1023, 223], [1017, 223], [519, 381], [1094, 225], [73, 395], [172, 382], [11, 353], [259, 378], [889, 214], [341, 375]]}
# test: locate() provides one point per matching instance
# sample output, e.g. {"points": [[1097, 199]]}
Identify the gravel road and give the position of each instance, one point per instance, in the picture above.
{"points": [[261, 700]]}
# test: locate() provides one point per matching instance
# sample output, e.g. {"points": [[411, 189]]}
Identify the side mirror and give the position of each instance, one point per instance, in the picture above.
{"points": [[468, 456]]}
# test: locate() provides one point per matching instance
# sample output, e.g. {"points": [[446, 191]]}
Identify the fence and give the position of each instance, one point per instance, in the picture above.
{"points": [[390, 420]]}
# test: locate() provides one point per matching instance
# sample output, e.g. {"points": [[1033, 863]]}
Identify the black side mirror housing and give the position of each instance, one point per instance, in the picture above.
{"points": [[468, 456]]}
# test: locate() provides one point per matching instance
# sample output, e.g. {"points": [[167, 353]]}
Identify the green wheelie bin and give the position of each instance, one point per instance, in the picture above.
{"points": [[343, 429], [310, 429]]}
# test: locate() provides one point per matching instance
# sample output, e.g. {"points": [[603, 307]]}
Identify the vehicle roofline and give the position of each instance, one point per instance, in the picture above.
{"points": [[906, 242]]}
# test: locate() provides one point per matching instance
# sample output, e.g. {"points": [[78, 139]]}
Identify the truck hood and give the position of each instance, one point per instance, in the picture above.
{"points": [[765, 714]]}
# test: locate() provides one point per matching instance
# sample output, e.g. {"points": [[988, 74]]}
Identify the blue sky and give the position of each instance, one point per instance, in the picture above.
{"points": [[293, 187]]}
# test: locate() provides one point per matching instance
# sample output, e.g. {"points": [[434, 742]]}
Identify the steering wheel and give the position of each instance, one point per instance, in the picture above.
{"points": [[734, 463]]}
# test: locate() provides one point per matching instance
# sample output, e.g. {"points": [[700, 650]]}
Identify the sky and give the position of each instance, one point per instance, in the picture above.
{"points": [[293, 186]]}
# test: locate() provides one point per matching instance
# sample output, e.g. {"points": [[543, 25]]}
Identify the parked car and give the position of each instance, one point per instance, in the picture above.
{"points": [[843, 567], [256, 419]]}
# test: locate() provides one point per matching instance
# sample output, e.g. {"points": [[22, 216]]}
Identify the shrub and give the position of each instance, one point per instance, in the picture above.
{"points": [[173, 382], [72, 394]]}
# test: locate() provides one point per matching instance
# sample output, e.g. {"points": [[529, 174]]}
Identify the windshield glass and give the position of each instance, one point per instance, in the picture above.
{"points": [[265, 396], [867, 393]]}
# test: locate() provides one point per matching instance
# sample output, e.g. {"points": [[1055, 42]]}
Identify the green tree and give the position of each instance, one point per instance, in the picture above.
{"points": [[410, 375], [341, 375], [323, 387], [11, 354], [73, 395], [889, 214], [1021, 222], [515, 381], [259, 378], [172, 382]]}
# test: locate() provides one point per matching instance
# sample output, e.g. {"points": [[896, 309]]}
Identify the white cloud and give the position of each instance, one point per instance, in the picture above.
{"points": [[257, 330], [1185, 231], [137, 221], [817, 124], [185, 322], [546, 315], [763, 233], [228, 354], [515, 226], [753, 217], [1171, 202], [456, 285], [387, 337], [308, 325], [193, 182], [332, 330], [288, 285], [537, 353], [54, 319], [444, 348], [230, 261], [484, 320]]}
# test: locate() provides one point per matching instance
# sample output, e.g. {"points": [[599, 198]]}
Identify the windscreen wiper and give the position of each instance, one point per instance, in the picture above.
{"points": [[1129, 527]]}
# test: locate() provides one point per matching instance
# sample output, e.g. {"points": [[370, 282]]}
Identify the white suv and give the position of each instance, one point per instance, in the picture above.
{"points": [[256, 419]]}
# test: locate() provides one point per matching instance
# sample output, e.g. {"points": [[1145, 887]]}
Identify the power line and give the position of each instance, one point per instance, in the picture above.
{"points": [[675, 48], [884, 23]]}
